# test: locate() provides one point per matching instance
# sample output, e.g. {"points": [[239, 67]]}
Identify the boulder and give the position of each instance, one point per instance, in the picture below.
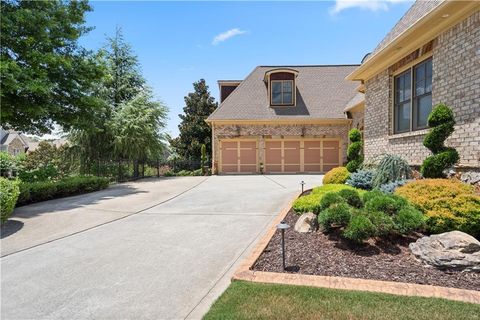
{"points": [[450, 250], [306, 223]]}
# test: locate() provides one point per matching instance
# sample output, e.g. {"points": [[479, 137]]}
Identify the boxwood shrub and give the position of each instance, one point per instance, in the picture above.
{"points": [[31, 192], [448, 204], [9, 192]]}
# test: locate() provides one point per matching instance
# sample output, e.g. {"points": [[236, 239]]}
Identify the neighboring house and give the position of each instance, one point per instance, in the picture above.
{"points": [[284, 119], [431, 56], [13, 142]]}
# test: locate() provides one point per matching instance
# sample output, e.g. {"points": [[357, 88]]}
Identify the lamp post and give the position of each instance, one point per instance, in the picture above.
{"points": [[283, 226], [302, 183]]}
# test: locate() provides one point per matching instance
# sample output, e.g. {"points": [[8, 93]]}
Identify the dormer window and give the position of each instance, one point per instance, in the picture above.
{"points": [[282, 92], [281, 87]]}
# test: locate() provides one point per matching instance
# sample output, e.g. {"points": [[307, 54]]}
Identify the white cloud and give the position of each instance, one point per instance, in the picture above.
{"points": [[227, 35], [373, 5]]}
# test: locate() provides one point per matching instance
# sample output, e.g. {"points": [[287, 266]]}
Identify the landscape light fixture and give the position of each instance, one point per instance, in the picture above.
{"points": [[282, 226], [302, 183]]}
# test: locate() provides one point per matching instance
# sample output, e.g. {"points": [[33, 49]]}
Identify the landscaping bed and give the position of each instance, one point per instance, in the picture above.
{"points": [[388, 259]]}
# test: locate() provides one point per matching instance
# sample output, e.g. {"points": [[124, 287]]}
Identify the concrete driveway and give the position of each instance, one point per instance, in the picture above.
{"points": [[156, 249]]}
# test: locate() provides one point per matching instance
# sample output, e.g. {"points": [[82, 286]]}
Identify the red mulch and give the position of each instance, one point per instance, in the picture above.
{"points": [[331, 255]]}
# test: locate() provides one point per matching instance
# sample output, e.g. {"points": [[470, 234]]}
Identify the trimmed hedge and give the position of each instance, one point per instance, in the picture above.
{"points": [[448, 204], [9, 192], [31, 192], [336, 176]]}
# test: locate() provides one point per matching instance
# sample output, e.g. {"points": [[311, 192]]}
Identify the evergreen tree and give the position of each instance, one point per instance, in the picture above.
{"points": [[194, 131]]}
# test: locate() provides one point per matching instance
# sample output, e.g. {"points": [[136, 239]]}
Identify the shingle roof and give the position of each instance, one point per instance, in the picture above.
{"points": [[322, 93], [359, 97], [418, 10]]}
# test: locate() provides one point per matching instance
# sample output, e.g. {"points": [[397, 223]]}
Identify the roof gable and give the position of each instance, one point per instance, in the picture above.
{"points": [[322, 93]]}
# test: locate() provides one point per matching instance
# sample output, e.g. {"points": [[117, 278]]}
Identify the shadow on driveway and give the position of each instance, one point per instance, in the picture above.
{"points": [[10, 227]]}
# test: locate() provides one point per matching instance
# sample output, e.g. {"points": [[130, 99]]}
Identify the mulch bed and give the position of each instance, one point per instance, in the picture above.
{"points": [[330, 255]]}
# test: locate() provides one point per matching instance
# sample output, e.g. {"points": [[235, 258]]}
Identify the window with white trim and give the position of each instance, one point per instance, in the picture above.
{"points": [[412, 107]]}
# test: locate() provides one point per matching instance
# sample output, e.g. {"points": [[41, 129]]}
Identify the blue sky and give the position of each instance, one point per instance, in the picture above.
{"points": [[175, 41]]}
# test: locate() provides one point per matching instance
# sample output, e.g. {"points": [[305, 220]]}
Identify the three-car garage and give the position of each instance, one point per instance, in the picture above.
{"points": [[296, 155]]}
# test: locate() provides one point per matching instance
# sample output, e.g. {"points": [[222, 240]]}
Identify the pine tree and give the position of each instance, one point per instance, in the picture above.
{"points": [[194, 131]]}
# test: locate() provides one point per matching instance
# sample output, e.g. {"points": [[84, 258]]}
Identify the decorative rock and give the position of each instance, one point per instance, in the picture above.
{"points": [[306, 223], [471, 177], [449, 250]]}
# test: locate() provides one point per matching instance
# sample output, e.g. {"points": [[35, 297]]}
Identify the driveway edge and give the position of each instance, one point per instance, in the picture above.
{"points": [[245, 273]]}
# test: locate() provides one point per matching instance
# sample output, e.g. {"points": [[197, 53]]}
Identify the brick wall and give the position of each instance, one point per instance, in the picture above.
{"points": [[456, 82], [16, 144], [262, 132]]}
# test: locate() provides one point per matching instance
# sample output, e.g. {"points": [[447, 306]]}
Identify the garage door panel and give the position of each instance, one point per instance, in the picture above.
{"points": [[328, 167], [248, 168], [291, 152], [292, 168], [312, 168], [238, 157], [273, 152], [312, 153], [330, 152], [273, 168]]}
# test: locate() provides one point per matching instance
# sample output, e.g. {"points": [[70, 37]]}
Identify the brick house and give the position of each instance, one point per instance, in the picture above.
{"points": [[13, 142], [431, 56], [285, 119]]}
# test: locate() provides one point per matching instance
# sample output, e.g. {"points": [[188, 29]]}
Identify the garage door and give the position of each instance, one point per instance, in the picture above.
{"points": [[290, 156], [238, 156]]}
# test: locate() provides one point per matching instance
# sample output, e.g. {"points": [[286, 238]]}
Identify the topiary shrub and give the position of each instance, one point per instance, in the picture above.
{"points": [[391, 168], [447, 204], [336, 215], [352, 197], [336, 176], [359, 229], [441, 121], [9, 192], [362, 179], [354, 151]]}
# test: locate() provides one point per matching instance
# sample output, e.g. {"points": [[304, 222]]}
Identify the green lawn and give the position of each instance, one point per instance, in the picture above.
{"points": [[247, 300]]}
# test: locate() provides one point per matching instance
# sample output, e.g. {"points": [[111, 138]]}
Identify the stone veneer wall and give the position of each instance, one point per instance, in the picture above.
{"points": [[456, 82], [16, 144], [262, 132]]}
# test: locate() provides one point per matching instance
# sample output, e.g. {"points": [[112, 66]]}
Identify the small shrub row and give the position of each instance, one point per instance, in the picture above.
{"points": [[31, 192], [448, 204], [374, 214], [9, 192], [183, 173]]}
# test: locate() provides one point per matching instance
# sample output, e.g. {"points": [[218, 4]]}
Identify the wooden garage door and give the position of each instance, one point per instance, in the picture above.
{"points": [[238, 156], [282, 156], [290, 156]]}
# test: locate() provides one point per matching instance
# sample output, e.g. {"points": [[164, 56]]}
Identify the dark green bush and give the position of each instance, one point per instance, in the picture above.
{"points": [[408, 219], [391, 168], [336, 215], [9, 192], [382, 222], [384, 203], [367, 196], [442, 123], [362, 179], [31, 192], [359, 229], [329, 199], [354, 151], [45, 173], [352, 197]]}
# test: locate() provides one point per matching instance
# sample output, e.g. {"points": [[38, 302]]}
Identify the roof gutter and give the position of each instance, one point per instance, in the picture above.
{"points": [[427, 28]]}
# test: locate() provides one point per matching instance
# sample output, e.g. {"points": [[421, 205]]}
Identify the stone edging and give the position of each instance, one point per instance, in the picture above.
{"points": [[399, 288]]}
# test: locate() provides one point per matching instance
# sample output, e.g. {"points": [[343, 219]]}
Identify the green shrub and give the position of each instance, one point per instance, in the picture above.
{"points": [[447, 204], [31, 192], [384, 203], [352, 197], [354, 151], [7, 164], [367, 196], [362, 179], [45, 173], [382, 222], [311, 202], [336, 176], [391, 168], [9, 192], [408, 219], [441, 121], [336, 215], [169, 174], [359, 229], [329, 199]]}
